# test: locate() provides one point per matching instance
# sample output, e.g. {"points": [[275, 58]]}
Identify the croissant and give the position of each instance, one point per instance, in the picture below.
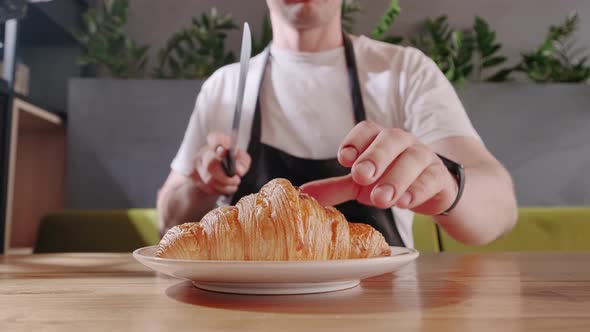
{"points": [[279, 223]]}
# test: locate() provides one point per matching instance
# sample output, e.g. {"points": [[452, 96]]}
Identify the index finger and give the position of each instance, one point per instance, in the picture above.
{"points": [[333, 191], [357, 141]]}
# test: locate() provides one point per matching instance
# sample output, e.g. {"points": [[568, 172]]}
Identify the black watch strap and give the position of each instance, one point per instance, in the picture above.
{"points": [[458, 172]]}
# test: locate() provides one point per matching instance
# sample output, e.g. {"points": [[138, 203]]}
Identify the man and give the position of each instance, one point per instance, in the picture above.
{"points": [[358, 124]]}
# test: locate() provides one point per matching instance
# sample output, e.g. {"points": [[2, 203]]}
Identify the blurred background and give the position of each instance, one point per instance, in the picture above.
{"points": [[95, 97]]}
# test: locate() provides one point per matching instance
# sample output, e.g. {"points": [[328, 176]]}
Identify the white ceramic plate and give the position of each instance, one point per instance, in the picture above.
{"points": [[260, 277]]}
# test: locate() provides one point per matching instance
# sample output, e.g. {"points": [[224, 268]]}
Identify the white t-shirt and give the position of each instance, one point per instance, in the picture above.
{"points": [[307, 108]]}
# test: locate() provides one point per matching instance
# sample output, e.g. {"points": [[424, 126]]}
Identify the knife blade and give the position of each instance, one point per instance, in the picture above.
{"points": [[228, 162]]}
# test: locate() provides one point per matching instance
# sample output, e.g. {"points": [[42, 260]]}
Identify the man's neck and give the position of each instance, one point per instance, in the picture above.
{"points": [[318, 39]]}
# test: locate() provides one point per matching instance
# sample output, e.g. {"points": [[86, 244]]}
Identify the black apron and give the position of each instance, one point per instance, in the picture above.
{"points": [[270, 163]]}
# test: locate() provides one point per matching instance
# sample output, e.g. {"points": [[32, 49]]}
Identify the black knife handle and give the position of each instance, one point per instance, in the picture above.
{"points": [[228, 164]]}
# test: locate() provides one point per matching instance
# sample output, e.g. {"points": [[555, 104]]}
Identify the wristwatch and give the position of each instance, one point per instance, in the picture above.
{"points": [[458, 172]]}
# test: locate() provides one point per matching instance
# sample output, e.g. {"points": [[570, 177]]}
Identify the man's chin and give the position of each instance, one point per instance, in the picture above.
{"points": [[290, 2], [306, 25]]}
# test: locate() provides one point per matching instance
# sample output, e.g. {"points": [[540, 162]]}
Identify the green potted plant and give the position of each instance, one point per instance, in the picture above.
{"points": [[107, 47], [558, 59], [196, 52]]}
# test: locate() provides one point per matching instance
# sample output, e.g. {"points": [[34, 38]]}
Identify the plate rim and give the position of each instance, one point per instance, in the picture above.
{"points": [[409, 251]]}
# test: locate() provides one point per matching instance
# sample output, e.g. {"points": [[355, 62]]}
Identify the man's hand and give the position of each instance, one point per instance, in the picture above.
{"points": [[389, 167], [209, 174]]}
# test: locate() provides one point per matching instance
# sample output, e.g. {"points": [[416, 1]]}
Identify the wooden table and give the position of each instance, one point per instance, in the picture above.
{"points": [[444, 292]]}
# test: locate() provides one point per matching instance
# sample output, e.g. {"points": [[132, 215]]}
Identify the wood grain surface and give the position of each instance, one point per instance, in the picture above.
{"points": [[439, 292]]}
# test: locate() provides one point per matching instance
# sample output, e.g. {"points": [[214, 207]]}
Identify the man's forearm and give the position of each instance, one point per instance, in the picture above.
{"points": [[487, 208], [183, 203]]}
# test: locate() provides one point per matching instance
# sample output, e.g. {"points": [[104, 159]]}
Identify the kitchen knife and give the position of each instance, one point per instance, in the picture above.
{"points": [[229, 161]]}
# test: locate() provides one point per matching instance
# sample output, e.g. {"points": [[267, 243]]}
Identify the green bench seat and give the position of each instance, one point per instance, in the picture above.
{"points": [[97, 231], [538, 229]]}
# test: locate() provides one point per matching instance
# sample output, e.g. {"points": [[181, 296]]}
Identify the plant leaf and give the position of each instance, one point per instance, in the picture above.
{"points": [[387, 20], [494, 61]]}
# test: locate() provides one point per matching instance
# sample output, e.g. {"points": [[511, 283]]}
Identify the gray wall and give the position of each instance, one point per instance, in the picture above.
{"points": [[521, 24], [541, 133], [122, 136]]}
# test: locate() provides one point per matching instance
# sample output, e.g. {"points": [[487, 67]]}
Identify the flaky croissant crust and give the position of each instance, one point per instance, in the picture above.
{"points": [[279, 223]]}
